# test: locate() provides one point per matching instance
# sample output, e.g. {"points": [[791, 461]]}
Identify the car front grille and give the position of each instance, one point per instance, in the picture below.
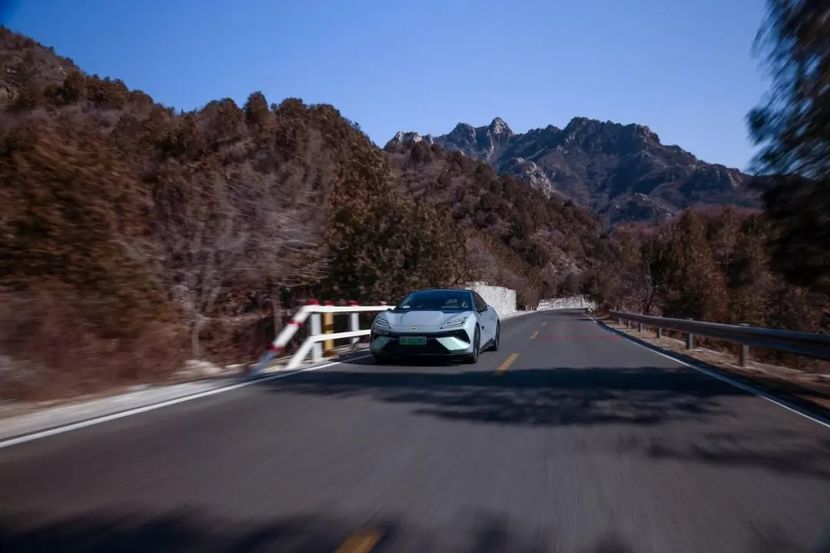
{"points": [[432, 347]]}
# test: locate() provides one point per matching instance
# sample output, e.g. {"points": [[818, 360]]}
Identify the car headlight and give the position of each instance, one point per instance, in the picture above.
{"points": [[455, 322], [381, 323]]}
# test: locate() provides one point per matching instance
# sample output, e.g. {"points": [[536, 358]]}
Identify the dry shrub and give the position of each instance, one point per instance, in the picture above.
{"points": [[48, 349], [236, 339]]}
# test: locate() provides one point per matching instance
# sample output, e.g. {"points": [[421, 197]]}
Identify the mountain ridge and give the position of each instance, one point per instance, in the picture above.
{"points": [[623, 173]]}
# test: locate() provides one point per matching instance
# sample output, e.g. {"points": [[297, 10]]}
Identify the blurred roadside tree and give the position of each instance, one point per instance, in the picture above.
{"points": [[793, 129], [67, 205], [199, 241]]}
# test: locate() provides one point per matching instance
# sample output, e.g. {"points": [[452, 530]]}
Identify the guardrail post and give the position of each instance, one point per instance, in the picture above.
{"points": [[659, 332], [354, 323], [328, 328], [620, 321], [317, 349], [743, 353], [690, 341], [743, 357], [640, 328]]}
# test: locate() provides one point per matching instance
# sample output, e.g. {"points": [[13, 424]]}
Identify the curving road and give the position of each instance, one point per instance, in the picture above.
{"points": [[569, 439]]}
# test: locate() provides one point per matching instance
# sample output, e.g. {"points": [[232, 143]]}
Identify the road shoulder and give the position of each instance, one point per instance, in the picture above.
{"points": [[786, 394]]}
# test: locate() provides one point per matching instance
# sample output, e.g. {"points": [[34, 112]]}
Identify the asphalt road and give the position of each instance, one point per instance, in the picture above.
{"points": [[586, 442]]}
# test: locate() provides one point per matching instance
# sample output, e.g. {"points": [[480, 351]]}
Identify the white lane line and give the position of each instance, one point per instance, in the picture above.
{"points": [[40, 434], [745, 387]]}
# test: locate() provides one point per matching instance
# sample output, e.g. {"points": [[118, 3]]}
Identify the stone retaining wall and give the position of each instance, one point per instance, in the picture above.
{"points": [[502, 299]]}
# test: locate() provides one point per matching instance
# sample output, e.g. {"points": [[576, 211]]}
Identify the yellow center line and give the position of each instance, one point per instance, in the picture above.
{"points": [[362, 541], [534, 335], [507, 362]]}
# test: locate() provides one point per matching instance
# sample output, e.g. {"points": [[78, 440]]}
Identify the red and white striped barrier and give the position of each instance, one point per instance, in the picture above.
{"points": [[311, 344]]}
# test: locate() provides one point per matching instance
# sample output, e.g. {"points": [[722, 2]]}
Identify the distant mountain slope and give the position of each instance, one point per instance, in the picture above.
{"points": [[515, 235], [620, 172]]}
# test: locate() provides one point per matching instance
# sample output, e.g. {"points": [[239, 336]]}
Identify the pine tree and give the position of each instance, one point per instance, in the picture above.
{"points": [[793, 130]]}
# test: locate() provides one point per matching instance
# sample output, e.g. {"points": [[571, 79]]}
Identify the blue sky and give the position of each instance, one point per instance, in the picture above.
{"points": [[685, 69]]}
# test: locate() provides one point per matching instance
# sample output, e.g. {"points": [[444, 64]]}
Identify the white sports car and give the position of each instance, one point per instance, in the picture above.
{"points": [[451, 323]]}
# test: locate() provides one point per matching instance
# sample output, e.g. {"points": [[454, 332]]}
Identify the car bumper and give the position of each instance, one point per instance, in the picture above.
{"points": [[456, 343]]}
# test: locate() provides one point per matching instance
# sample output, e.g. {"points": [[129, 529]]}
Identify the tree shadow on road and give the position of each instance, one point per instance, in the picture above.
{"points": [[556, 397], [792, 454], [583, 397], [193, 531]]}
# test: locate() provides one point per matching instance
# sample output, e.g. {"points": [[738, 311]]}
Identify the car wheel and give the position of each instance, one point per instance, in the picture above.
{"points": [[497, 339], [473, 358]]}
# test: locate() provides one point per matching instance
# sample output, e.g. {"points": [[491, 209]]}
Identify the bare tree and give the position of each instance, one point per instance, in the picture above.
{"points": [[291, 254], [205, 240], [222, 231], [288, 216]]}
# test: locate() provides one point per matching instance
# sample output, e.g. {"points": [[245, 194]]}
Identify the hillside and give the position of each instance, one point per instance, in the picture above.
{"points": [[622, 173], [135, 237], [516, 236]]}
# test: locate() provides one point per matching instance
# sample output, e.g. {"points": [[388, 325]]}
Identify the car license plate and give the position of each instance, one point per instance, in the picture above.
{"points": [[413, 340]]}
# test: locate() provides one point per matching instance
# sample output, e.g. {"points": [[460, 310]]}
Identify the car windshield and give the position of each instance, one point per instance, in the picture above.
{"points": [[437, 300]]}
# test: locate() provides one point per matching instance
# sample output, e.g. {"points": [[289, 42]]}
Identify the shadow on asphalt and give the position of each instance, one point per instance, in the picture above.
{"points": [[189, 531], [811, 459], [792, 392], [560, 397], [579, 397]]}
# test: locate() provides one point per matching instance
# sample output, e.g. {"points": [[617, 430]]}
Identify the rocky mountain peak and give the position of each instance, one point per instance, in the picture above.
{"points": [[499, 127], [463, 132], [646, 132], [602, 131], [402, 137], [621, 172]]}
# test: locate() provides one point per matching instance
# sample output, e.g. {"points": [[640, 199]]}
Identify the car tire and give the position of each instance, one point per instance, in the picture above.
{"points": [[497, 339], [473, 357]]}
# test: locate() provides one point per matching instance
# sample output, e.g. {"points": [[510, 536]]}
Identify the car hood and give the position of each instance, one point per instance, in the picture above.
{"points": [[414, 321]]}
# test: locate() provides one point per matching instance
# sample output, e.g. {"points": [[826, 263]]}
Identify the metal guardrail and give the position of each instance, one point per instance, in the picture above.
{"points": [[318, 333], [799, 343]]}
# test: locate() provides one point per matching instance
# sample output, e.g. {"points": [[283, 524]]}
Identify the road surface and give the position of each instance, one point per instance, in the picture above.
{"points": [[569, 439]]}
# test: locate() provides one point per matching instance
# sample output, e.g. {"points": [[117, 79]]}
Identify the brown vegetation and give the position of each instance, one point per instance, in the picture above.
{"points": [[711, 266], [514, 234], [133, 238]]}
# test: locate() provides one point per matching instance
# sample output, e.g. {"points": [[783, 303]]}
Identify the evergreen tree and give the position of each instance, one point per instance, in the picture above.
{"points": [[257, 113], [793, 130]]}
